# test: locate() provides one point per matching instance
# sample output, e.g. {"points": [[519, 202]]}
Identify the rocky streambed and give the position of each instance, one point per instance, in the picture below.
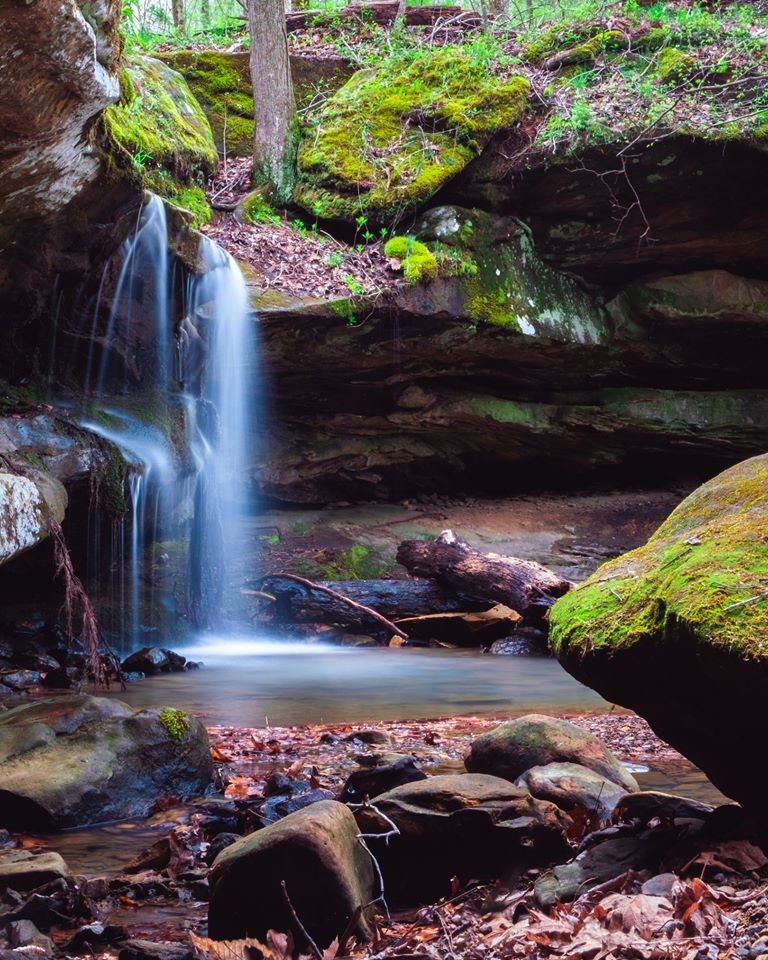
{"points": [[435, 838]]}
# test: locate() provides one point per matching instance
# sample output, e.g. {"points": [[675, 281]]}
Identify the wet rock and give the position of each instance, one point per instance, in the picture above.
{"points": [[22, 870], [21, 679], [281, 805], [153, 858], [95, 935], [23, 515], [571, 785], [23, 933], [372, 782], [148, 950], [78, 759], [596, 865], [153, 660], [470, 825], [648, 804], [369, 736], [685, 645], [220, 842], [327, 875], [536, 740], [524, 642]]}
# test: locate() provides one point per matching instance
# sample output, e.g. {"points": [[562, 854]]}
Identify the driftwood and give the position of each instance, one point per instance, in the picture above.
{"points": [[384, 12], [523, 585], [391, 598], [338, 598]]}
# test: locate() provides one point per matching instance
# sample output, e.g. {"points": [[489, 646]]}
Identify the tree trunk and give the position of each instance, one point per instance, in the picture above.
{"points": [[399, 22], [205, 13], [275, 133], [523, 585], [177, 13]]}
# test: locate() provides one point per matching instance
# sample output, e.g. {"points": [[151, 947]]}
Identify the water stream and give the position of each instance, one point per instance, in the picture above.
{"points": [[186, 434]]}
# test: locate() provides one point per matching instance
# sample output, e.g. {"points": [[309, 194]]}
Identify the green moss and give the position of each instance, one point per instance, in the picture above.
{"points": [[687, 581], [674, 65], [358, 562], [158, 135], [221, 83], [391, 137], [417, 260], [175, 722], [112, 483], [257, 209]]}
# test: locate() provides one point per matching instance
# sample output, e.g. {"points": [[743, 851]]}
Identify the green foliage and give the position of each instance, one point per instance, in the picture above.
{"points": [[392, 136], [158, 135], [674, 65], [417, 260], [175, 722], [256, 209], [358, 562]]}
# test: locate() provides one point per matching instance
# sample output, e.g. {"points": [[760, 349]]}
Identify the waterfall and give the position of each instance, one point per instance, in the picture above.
{"points": [[186, 431]]}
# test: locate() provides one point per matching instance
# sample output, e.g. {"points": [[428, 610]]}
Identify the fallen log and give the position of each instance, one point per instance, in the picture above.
{"points": [[383, 12], [359, 608], [525, 586], [391, 598]]}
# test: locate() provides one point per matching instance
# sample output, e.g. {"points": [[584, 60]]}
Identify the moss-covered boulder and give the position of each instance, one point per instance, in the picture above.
{"points": [[221, 82], [678, 629], [159, 135], [393, 136]]}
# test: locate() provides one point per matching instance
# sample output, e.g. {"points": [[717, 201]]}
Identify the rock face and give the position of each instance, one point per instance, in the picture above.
{"points": [[509, 374], [327, 873], [74, 760], [23, 520], [677, 629], [518, 745], [22, 870], [466, 826]]}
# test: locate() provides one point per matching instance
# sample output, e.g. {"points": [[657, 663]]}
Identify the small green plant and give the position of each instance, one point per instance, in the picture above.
{"points": [[358, 562], [355, 287], [257, 210], [175, 722], [335, 259], [417, 261]]}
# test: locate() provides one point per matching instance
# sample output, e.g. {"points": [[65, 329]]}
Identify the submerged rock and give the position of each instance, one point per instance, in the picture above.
{"points": [[536, 740], [74, 760], [327, 875], [469, 825], [152, 660], [379, 779], [678, 630]]}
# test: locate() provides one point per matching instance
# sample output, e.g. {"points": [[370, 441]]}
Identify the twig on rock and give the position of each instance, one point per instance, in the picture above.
{"points": [[315, 949]]}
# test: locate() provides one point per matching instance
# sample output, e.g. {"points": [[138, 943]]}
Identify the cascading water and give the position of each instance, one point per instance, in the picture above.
{"points": [[186, 433]]}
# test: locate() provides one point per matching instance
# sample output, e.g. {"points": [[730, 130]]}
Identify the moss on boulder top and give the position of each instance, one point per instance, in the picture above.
{"points": [[689, 579], [678, 629], [159, 135], [392, 136]]}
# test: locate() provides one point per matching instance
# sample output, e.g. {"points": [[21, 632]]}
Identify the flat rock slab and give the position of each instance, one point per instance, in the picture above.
{"points": [[22, 870], [74, 760]]}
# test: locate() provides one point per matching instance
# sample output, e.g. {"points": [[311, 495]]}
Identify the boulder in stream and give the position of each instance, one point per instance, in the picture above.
{"points": [[470, 825], [23, 870], [74, 760], [571, 785], [677, 630], [535, 740], [313, 857]]}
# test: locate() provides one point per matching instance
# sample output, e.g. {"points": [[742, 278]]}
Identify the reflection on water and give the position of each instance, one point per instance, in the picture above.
{"points": [[250, 682]]}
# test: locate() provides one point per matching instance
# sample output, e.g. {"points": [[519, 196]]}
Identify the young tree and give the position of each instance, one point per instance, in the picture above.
{"points": [[275, 133], [177, 13]]}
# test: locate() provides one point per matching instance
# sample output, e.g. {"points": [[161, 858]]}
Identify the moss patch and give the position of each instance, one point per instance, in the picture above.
{"points": [[158, 135], [688, 581], [392, 136], [175, 722], [417, 261], [674, 65]]}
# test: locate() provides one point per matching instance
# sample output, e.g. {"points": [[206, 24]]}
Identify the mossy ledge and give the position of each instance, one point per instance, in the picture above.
{"points": [[392, 137], [694, 578], [158, 135]]}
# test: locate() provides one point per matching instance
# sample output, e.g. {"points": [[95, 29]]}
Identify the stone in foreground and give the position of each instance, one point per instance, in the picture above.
{"points": [[327, 874], [22, 870], [74, 760], [570, 785], [533, 741], [465, 826], [678, 630]]}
